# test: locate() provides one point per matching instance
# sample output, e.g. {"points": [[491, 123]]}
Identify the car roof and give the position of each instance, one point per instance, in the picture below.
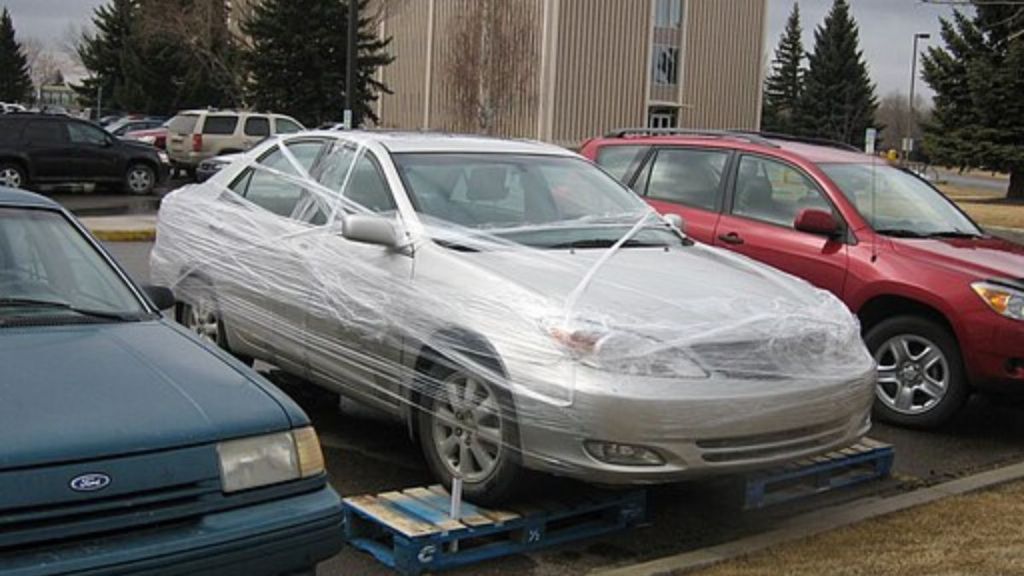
{"points": [[399, 142], [12, 197], [818, 153]]}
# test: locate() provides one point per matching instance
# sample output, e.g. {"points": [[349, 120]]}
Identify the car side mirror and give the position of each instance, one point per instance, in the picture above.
{"points": [[814, 221], [160, 296], [370, 229], [676, 221]]}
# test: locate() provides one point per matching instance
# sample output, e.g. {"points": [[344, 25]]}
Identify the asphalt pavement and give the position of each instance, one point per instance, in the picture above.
{"points": [[368, 455]]}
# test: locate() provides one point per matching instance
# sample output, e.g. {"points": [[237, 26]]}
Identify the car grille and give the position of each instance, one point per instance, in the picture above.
{"points": [[48, 523], [796, 442]]}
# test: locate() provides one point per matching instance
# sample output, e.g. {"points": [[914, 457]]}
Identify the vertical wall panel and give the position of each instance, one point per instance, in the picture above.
{"points": [[405, 21]]}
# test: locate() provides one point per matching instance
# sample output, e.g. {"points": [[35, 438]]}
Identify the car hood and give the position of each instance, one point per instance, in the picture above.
{"points": [[979, 258], [136, 145], [731, 312], [100, 390]]}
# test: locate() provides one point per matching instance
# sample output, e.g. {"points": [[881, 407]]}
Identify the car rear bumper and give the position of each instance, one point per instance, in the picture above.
{"points": [[284, 536], [700, 433], [993, 351]]}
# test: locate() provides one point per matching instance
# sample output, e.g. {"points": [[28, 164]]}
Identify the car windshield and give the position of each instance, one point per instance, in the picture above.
{"points": [[897, 203], [543, 201], [48, 267]]}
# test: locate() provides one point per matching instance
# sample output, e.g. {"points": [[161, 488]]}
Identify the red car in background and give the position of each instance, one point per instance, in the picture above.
{"points": [[941, 303], [155, 136]]}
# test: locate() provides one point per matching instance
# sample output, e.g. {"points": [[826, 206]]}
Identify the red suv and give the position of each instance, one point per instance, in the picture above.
{"points": [[941, 303]]}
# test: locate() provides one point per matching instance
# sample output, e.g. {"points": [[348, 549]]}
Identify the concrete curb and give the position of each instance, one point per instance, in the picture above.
{"points": [[127, 228], [812, 523], [146, 235]]}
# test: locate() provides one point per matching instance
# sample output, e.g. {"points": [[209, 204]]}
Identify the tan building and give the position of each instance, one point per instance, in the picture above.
{"points": [[565, 70]]}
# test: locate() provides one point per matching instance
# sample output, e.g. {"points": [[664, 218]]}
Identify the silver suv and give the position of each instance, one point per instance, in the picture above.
{"points": [[195, 135]]}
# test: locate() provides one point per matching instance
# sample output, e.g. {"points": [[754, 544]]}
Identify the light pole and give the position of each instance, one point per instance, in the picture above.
{"points": [[908, 143]]}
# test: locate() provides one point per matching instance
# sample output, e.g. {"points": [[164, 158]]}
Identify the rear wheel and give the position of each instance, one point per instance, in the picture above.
{"points": [[202, 316], [467, 429], [12, 175], [140, 179], [921, 378]]}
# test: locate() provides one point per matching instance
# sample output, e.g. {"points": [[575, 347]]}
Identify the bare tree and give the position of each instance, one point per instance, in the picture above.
{"points": [[43, 63], [894, 116]]}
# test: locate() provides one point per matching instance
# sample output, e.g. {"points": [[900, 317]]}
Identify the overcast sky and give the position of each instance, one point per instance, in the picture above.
{"points": [[886, 28]]}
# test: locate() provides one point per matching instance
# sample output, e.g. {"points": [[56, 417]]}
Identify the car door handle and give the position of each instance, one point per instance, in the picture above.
{"points": [[731, 238]]}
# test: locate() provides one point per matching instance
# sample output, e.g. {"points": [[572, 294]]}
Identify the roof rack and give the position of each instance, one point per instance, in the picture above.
{"points": [[752, 137], [805, 140]]}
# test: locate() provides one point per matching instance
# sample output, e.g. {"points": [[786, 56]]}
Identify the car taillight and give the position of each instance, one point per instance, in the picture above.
{"points": [[197, 142]]}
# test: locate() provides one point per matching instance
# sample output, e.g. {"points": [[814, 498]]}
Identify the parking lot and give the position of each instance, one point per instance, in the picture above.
{"points": [[368, 455]]}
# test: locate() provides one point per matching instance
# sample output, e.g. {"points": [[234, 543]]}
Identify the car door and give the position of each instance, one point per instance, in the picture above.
{"points": [[95, 157], [353, 345], [268, 270], [767, 195], [51, 157], [688, 182]]}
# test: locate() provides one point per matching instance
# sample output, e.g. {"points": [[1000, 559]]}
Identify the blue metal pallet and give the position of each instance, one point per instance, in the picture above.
{"points": [[411, 531], [865, 461]]}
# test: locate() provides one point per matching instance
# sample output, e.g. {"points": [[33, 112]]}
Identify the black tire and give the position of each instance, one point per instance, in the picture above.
{"points": [[13, 175], [503, 482], [139, 179], [205, 303], [911, 335]]}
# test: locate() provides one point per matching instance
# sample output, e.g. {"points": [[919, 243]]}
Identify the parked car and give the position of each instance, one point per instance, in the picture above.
{"points": [[153, 136], [123, 126], [941, 303], [211, 166], [8, 108], [38, 149], [465, 286], [195, 135], [130, 445]]}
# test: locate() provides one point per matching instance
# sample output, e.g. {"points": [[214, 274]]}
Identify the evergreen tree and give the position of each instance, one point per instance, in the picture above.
{"points": [[784, 85], [15, 82], [978, 79], [298, 59], [838, 100], [103, 54]]}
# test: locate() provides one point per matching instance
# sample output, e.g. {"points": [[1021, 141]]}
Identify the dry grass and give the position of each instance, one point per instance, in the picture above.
{"points": [[987, 208], [976, 534]]}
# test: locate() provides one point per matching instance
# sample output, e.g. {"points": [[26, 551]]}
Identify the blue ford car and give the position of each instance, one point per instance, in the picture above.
{"points": [[127, 445]]}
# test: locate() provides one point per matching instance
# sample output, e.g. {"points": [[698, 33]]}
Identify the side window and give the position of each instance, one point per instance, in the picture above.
{"points": [[44, 133], [365, 186], [85, 134], [620, 161], [257, 126], [220, 125], [286, 126], [270, 191], [774, 192], [686, 176]]}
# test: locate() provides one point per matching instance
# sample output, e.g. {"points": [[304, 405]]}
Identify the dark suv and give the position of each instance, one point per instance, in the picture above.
{"points": [[41, 149], [941, 302]]}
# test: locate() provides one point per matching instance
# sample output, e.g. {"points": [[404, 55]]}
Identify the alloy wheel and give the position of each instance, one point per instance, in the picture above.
{"points": [[202, 318], [913, 374], [140, 180], [10, 177], [467, 427]]}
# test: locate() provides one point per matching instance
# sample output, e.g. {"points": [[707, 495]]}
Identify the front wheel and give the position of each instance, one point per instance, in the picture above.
{"points": [[140, 179], [921, 378], [466, 429], [12, 176], [202, 316]]}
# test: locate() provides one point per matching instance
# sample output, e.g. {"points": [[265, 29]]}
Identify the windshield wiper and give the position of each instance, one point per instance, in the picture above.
{"points": [[955, 234], [34, 303], [607, 243], [901, 233]]}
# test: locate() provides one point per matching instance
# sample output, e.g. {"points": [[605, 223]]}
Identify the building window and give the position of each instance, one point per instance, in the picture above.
{"points": [[668, 13], [666, 65], [662, 117]]}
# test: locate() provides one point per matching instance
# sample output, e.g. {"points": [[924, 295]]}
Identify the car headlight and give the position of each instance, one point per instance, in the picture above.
{"points": [[269, 459], [623, 352], [148, 139], [1005, 300], [163, 157]]}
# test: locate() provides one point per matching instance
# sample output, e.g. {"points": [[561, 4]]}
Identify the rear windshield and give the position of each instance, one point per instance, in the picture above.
{"points": [[220, 124], [183, 123]]}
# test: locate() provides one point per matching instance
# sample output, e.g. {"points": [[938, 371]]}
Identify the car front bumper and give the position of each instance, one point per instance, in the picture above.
{"points": [[283, 536], [699, 428], [993, 351]]}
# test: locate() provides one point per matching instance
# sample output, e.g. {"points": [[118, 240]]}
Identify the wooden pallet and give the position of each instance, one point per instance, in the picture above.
{"points": [[867, 460], [412, 532]]}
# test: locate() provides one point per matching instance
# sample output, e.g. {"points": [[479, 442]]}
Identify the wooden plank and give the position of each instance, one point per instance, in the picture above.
{"points": [[422, 511], [390, 517], [471, 515]]}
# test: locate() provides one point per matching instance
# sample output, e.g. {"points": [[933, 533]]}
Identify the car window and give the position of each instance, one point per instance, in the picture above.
{"points": [[358, 177], [286, 126], [270, 190], [183, 123], [686, 176], [620, 161], [222, 125], [80, 133], [44, 132], [257, 126], [774, 192]]}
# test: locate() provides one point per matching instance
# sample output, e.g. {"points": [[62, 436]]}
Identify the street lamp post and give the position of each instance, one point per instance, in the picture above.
{"points": [[913, 81]]}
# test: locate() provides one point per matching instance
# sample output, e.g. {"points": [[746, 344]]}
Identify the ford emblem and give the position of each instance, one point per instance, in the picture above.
{"points": [[90, 482]]}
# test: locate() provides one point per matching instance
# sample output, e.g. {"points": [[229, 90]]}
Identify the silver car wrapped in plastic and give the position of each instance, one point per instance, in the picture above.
{"points": [[515, 305]]}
